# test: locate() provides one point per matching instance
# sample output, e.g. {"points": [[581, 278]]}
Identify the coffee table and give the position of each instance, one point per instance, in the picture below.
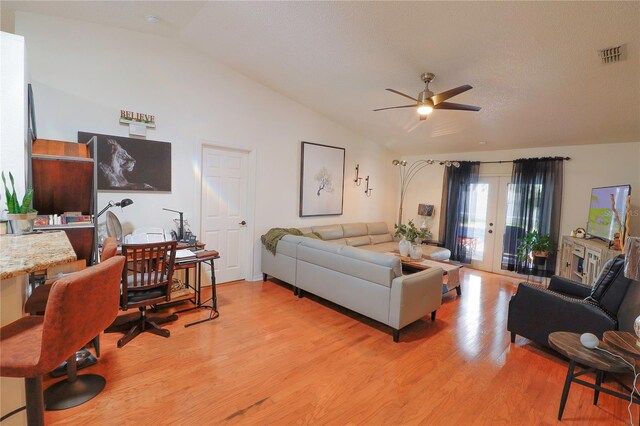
{"points": [[450, 269], [568, 344]]}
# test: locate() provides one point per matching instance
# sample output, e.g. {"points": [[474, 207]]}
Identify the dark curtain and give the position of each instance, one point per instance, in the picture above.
{"points": [[454, 217], [535, 202]]}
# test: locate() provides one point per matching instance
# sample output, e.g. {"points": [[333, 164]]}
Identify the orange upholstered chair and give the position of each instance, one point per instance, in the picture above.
{"points": [[37, 303], [80, 306]]}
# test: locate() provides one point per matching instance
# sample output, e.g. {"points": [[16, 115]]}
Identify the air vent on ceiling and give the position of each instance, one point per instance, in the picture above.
{"points": [[613, 54]]}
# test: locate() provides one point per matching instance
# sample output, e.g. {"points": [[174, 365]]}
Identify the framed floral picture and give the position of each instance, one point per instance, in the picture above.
{"points": [[321, 180]]}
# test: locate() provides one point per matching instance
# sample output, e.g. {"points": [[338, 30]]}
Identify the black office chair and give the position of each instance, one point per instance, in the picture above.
{"points": [[535, 311]]}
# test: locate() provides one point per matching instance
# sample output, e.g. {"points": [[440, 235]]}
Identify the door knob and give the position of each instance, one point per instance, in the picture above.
{"points": [[491, 231], [490, 223], [242, 223]]}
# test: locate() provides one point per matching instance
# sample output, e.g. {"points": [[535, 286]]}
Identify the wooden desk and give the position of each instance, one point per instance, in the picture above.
{"points": [[206, 256], [568, 344]]}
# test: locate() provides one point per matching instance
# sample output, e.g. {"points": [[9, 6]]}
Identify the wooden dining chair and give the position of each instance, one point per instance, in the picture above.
{"points": [[147, 281]]}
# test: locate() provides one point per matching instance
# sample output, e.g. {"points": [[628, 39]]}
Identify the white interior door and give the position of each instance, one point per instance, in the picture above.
{"points": [[224, 207]]}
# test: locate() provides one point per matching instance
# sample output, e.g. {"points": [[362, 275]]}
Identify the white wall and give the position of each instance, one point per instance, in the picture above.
{"points": [[13, 112], [590, 166], [84, 74]]}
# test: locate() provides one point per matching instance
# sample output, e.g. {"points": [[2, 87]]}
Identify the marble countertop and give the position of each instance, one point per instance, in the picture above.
{"points": [[23, 254]]}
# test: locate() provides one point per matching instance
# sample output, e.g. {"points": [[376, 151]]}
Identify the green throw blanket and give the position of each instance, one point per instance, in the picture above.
{"points": [[271, 238]]}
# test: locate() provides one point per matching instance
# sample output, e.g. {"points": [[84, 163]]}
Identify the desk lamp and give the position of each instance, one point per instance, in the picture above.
{"points": [[124, 203], [181, 227], [632, 270]]}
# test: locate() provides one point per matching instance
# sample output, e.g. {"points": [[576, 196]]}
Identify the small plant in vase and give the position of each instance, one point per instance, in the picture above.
{"points": [[410, 234], [21, 215], [535, 245]]}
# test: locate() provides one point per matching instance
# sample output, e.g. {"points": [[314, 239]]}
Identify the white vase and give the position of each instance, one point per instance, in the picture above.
{"points": [[416, 252], [404, 246]]}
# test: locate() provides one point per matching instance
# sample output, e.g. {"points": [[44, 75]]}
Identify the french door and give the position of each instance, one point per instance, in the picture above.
{"points": [[485, 233]]}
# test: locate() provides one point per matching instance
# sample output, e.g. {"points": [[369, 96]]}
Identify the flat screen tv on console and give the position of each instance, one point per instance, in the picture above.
{"points": [[602, 222]]}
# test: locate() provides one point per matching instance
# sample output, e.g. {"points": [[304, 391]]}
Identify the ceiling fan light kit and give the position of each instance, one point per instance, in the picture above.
{"points": [[426, 101]]}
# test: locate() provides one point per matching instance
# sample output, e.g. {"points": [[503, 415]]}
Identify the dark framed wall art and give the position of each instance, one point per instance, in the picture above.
{"points": [[321, 180], [127, 164]]}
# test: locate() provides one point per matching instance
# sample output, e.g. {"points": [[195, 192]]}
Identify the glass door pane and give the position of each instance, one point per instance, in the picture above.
{"points": [[476, 231]]}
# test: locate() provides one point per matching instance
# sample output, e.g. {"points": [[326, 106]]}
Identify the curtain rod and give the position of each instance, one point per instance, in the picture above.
{"points": [[511, 161]]}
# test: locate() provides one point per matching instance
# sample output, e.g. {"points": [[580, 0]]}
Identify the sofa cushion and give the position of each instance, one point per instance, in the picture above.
{"points": [[437, 253], [354, 229], [287, 245], [377, 228], [381, 259], [358, 241], [329, 232], [362, 264], [382, 238]]}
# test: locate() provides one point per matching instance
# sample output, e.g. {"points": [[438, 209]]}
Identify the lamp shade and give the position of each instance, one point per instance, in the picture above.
{"points": [[632, 258], [125, 202], [425, 209]]}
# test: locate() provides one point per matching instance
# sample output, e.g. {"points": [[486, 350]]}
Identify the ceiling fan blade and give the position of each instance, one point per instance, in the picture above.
{"points": [[402, 94], [441, 97], [401, 106], [423, 117], [459, 107]]}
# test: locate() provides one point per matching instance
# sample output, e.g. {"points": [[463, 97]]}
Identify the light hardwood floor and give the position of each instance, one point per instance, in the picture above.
{"points": [[274, 359]]}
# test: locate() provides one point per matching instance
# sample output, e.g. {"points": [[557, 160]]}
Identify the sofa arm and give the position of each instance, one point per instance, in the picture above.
{"points": [[536, 312], [413, 296], [571, 288]]}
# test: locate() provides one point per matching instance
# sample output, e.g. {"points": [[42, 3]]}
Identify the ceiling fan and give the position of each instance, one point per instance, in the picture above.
{"points": [[427, 101]]}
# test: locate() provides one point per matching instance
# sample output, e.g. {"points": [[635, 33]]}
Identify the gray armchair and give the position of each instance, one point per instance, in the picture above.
{"points": [[535, 312]]}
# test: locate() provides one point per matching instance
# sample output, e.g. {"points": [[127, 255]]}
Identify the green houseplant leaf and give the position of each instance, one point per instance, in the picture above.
{"points": [[534, 242], [13, 203]]}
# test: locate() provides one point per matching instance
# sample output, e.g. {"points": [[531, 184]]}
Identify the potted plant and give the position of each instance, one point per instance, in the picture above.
{"points": [[20, 215], [535, 245], [409, 234]]}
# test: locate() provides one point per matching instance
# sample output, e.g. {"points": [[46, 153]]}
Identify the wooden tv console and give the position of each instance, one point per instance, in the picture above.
{"points": [[582, 259]]}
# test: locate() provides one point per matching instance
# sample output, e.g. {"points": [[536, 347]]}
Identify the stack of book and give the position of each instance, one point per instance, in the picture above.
{"points": [[75, 217]]}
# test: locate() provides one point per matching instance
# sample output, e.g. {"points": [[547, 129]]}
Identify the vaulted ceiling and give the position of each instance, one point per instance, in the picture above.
{"points": [[534, 66]]}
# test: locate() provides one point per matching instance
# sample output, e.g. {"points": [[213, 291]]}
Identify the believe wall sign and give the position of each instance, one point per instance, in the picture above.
{"points": [[127, 117], [138, 122]]}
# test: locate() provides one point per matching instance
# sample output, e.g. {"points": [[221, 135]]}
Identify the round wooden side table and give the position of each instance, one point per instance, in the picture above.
{"points": [[569, 345], [623, 342]]}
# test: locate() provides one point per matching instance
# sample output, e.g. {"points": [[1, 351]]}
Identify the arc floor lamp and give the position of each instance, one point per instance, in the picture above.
{"points": [[407, 174]]}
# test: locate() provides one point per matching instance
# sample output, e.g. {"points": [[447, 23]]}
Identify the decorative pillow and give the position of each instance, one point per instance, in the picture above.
{"points": [[358, 241], [383, 238]]}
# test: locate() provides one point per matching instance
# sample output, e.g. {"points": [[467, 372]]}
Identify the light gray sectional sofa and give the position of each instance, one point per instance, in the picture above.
{"points": [[369, 236], [363, 280]]}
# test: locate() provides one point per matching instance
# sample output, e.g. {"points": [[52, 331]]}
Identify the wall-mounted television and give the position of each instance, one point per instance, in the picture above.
{"points": [[602, 222]]}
